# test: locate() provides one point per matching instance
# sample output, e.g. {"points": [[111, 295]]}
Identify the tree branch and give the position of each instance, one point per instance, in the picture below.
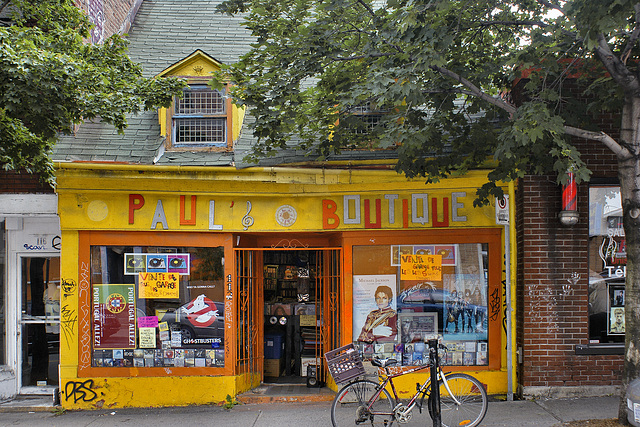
{"points": [[366, 6], [620, 151], [512, 23], [552, 6], [633, 39], [474, 90], [354, 58], [618, 70]]}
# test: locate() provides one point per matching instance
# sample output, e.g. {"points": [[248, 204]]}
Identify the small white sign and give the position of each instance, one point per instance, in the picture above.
{"points": [[502, 210]]}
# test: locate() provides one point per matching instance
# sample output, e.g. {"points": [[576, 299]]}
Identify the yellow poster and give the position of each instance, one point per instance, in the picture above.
{"points": [[158, 285], [421, 267], [147, 337]]}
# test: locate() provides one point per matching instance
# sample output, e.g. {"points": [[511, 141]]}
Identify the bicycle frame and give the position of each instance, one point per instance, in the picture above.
{"points": [[389, 380]]}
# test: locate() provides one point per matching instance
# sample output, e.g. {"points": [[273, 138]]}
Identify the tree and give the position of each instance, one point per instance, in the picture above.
{"points": [[439, 70], [51, 80]]}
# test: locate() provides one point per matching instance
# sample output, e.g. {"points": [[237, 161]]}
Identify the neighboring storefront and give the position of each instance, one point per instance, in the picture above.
{"points": [[185, 285], [30, 288]]}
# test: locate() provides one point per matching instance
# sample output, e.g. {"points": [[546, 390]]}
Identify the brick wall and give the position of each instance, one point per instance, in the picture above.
{"points": [[17, 182], [552, 315], [109, 16]]}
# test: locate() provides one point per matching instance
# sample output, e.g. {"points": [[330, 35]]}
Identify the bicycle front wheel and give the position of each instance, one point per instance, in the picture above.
{"points": [[471, 398], [355, 405]]}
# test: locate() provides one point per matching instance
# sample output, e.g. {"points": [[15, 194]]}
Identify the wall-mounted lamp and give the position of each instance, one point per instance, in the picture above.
{"points": [[569, 214]]}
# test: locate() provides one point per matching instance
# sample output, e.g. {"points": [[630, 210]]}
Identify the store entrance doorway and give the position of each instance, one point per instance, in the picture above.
{"points": [[288, 306], [293, 333], [39, 325]]}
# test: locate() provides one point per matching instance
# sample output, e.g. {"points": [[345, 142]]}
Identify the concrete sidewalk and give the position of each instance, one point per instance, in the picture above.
{"points": [[539, 413]]}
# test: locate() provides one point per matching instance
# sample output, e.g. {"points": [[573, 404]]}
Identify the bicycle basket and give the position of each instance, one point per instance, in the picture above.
{"points": [[344, 363]]}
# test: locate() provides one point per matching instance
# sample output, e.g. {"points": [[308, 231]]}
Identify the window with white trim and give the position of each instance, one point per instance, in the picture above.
{"points": [[200, 118]]}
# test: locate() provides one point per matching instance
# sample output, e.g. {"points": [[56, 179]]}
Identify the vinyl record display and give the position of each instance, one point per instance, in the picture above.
{"points": [[176, 263]]}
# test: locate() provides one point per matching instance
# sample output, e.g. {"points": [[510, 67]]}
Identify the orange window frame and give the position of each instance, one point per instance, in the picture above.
{"points": [[493, 237], [86, 239]]}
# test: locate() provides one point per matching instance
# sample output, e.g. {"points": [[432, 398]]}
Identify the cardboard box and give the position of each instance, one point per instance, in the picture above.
{"points": [[272, 367]]}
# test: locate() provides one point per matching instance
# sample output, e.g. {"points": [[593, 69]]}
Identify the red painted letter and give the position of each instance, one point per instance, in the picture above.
{"points": [[329, 218], [191, 221], [405, 213], [445, 212], [367, 222], [136, 201]]}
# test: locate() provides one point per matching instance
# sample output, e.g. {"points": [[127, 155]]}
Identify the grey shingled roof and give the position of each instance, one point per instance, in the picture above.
{"points": [[163, 33]]}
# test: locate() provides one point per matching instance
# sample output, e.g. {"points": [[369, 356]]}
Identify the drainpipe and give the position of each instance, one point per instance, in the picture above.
{"points": [[510, 242]]}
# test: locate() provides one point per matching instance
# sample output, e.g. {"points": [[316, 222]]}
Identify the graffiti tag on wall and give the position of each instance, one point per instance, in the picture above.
{"points": [[79, 391]]}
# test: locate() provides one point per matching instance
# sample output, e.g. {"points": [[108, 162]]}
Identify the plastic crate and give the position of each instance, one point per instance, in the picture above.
{"points": [[344, 363]]}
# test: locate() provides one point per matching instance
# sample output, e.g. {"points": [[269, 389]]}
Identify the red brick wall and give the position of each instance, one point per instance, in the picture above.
{"points": [[110, 15], [16, 182], [552, 313]]}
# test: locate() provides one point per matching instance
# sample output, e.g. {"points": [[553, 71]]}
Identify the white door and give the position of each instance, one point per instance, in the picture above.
{"points": [[38, 329]]}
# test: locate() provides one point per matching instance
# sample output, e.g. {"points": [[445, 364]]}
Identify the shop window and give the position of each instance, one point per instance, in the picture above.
{"points": [[607, 265], [200, 118], [403, 295], [157, 306]]}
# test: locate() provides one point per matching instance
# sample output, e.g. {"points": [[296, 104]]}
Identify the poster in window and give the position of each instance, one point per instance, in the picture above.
{"points": [[114, 316], [135, 263], [416, 327], [420, 267], [397, 251], [616, 309], [374, 308], [158, 285]]}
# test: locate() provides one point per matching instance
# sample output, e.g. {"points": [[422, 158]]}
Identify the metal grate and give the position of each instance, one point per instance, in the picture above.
{"points": [[200, 117], [200, 130], [201, 100]]}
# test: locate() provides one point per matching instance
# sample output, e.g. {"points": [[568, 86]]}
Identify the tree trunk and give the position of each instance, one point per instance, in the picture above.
{"points": [[629, 175]]}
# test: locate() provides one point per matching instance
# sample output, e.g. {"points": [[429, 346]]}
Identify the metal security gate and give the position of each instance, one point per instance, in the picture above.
{"points": [[250, 301], [328, 287], [248, 313]]}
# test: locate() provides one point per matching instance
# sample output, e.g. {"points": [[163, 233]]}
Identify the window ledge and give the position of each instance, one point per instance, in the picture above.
{"points": [[595, 349]]}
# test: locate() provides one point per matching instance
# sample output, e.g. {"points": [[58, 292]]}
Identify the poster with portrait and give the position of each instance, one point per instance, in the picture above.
{"points": [[616, 324], [375, 315]]}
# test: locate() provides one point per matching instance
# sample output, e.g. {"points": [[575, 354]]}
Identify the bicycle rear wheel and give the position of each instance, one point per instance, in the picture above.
{"points": [[472, 398], [351, 406]]}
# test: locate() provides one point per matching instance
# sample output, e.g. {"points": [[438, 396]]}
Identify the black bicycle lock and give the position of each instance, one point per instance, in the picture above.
{"points": [[434, 397]]}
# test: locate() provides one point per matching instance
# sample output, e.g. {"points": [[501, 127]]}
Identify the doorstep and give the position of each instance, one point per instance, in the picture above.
{"points": [[281, 393], [29, 403]]}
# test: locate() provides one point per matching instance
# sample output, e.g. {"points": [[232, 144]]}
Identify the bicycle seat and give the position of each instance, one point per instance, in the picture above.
{"points": [[383, 363]]}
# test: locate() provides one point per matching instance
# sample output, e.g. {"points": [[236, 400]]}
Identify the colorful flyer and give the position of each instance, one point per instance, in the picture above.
{"points": [[114, 316], [421, 267], [135, 263], [148, 322], [158, 285]]}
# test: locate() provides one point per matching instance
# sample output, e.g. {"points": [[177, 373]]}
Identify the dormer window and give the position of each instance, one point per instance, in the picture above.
{"points": [[200, 118], [368, 119]]}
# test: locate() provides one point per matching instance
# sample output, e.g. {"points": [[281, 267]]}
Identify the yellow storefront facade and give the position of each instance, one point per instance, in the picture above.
{"points": [[182, 285]]}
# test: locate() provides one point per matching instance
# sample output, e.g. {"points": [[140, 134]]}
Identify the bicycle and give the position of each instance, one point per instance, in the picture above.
{"points": [[463, 399]]}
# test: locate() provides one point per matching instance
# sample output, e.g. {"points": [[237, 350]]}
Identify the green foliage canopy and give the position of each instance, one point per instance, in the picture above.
{"points": [[50, 80], [442, 71]]}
